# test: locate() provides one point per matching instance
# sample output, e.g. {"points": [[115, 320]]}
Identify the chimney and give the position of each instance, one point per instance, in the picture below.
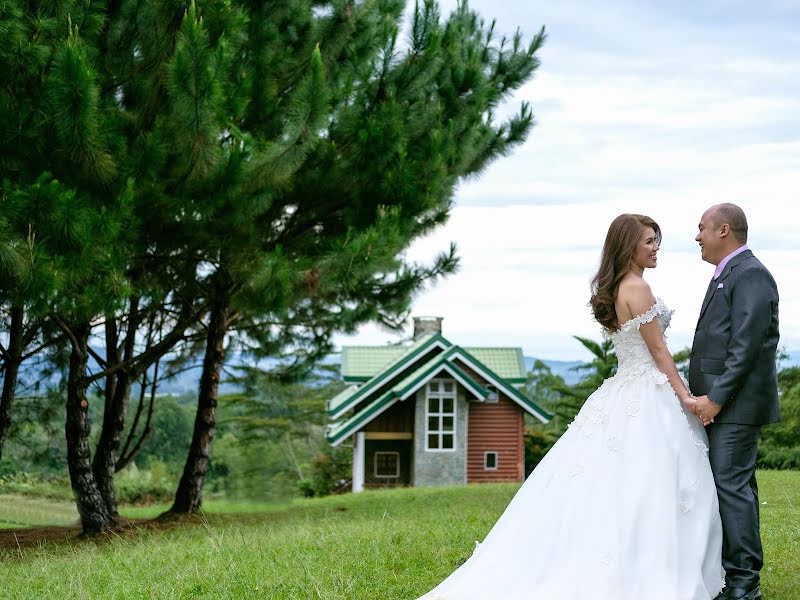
{"points": [[426, 325]]}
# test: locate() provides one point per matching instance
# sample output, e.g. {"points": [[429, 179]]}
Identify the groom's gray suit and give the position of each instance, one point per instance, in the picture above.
{"points": [[733, 362]]}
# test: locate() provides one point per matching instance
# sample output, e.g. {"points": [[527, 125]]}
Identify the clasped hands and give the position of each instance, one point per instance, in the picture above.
{"points": [[702, 406]]}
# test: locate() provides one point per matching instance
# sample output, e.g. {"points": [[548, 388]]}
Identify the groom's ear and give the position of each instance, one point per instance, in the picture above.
{"points": [[724, 230]]}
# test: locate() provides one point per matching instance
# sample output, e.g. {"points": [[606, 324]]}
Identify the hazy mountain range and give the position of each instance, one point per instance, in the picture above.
{"points": [[186, 382]]}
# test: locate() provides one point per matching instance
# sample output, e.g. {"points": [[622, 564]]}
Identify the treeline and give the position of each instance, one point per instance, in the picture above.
{"points": [[179, 180], [269, 444], [779, 447]]}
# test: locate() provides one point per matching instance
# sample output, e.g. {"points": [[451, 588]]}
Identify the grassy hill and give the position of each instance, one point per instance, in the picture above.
{"points": [[388, 545]]}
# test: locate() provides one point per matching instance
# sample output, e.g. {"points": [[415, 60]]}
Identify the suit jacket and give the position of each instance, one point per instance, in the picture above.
{"points": [[735, 343]]}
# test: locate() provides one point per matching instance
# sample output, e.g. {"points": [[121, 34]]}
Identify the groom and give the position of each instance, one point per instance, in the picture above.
{"points": [[733, 374]]}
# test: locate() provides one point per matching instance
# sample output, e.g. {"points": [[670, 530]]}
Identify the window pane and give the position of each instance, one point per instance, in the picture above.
{"points": [[447, 405], [386, 464], [433, 405], [433, 423], [447, 441], [491, 460], [447, 423], [433, 441], [448, 386]]}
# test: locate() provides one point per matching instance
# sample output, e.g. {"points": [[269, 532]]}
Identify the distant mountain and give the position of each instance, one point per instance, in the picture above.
{"points": [[565, 368], [186, 382]]}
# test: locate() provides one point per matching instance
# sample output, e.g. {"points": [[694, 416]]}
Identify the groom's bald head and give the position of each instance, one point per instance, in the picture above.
{"points": [[732, 216]]}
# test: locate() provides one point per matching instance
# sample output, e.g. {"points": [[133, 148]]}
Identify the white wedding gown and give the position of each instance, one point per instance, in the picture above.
{"points": [[623, 507]]}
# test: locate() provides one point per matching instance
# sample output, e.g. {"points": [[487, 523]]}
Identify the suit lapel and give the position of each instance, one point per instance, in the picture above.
{"points": [[715, 283], [712, 285]]}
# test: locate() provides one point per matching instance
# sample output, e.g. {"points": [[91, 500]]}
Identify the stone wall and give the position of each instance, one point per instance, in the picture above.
{"points": [[440, 467]]}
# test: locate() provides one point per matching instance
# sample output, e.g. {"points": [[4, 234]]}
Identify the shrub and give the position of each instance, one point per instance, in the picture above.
{"points": [[43, 486], [331, 471], [145, 486]]}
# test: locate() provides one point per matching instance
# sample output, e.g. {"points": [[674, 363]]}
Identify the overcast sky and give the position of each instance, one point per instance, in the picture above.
{"points": [[661, 108]]}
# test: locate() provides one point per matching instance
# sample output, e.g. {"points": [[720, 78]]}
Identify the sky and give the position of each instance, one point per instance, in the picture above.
{"points": [[660, 108]]}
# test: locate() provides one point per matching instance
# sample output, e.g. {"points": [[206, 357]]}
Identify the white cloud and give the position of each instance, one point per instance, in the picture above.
{"points": [[639, 108]]}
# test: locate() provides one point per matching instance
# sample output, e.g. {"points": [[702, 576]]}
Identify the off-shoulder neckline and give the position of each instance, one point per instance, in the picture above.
{"points": [[640, 318]]}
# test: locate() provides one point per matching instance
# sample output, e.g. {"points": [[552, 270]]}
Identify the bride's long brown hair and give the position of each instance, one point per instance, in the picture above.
{"points": [[623, 235]]}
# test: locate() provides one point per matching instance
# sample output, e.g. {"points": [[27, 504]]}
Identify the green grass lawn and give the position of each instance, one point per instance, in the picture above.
{"points": [[388, 545], [25, 511]]}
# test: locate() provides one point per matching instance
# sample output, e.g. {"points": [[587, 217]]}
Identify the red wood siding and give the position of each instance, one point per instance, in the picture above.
{"points": [[397, 418], [495, 427]]}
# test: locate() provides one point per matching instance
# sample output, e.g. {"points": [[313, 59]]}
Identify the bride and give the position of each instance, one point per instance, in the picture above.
{"points": [[623, 507]]}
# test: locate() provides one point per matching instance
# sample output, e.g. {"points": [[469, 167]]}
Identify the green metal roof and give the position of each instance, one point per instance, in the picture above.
{"points": [[414, 352], [507, 363], [499, 356], [360, 363], [400, 391]]}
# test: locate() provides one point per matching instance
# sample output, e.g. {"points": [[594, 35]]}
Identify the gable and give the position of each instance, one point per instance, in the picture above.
{"points": [[413, 355], [399, 382]]}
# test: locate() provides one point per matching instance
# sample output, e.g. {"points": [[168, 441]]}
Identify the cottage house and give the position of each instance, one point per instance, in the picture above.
{"points": [[432, 413]]}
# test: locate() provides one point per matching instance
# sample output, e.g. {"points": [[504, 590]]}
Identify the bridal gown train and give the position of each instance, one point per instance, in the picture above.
{"points": [[623, 507]]}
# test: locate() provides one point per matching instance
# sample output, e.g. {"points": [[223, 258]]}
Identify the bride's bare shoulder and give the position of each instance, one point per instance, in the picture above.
{"points": [[634, 297], [634, 286]]}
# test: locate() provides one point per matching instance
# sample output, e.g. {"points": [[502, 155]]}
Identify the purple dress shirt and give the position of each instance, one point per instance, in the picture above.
{"points": [[727, 259]]}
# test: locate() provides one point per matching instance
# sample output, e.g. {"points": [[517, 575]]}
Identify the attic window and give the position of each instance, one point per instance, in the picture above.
{"points": [[387, 464], [490, 461]]}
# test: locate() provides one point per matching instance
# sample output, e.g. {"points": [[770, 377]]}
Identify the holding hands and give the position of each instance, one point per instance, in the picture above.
{"points": [[701, 406]]}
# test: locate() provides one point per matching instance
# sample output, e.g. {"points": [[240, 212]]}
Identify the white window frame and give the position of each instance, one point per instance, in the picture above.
{"points": [[441, 395], [375, 466], [486, 466]]}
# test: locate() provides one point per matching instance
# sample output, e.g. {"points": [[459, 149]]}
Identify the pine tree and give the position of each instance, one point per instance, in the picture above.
{"points": [[249, 173], [66, 196], [361, 148]]}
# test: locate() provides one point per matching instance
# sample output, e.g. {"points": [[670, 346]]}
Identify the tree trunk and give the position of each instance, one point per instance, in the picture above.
{"points": [[188, 496], [117, 397], [105, 459], [91, 506], [128, 453], [11, 371]]}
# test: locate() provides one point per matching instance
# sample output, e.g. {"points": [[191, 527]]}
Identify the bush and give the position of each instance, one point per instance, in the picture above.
{"points": [[331, 472], [42, 486], [780, 442], [145, 486]]}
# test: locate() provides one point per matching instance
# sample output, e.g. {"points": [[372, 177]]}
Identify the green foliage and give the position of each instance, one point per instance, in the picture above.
{"points": [[788, 378], [269, 164], [331, 472], [546, 389], [171, 432], [272, 442], [681, 359], [779, 447], [55, 487], [154, 484]]}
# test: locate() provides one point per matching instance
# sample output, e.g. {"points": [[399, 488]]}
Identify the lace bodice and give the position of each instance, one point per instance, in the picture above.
{"points": [[632, 354]]}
